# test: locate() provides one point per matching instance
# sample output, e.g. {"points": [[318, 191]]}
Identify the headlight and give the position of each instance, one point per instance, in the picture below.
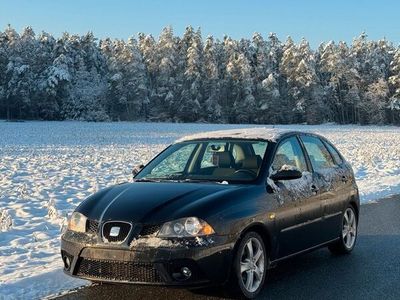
{"points": [[186, 227], [77, 222]]}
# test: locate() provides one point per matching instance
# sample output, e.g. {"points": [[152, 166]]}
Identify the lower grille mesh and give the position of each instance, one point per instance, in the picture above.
{"points": [[120, 271]]}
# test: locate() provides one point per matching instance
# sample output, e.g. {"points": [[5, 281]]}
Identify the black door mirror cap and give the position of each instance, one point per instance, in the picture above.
{"points": [[286, 174]]}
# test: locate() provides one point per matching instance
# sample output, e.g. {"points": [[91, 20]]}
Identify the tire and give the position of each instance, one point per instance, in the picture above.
{"points": [[249, 267], [349, 231]]}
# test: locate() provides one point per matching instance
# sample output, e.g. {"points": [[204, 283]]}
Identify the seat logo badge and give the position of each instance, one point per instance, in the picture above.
{"points": [[114, 231]]}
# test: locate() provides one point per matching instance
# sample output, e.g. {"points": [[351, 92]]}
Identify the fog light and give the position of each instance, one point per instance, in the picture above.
{"points": [[67, 263], [186, 272]]}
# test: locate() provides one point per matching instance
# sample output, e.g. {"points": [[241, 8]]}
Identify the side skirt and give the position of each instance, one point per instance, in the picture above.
{"points": [[273, 263]]}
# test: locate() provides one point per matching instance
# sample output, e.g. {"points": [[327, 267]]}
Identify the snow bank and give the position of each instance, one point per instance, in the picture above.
{"points": [[38, 286], [48, 168]]}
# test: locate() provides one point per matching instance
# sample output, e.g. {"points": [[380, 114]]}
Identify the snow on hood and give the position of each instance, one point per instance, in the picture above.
{"points": [[258, 133]]}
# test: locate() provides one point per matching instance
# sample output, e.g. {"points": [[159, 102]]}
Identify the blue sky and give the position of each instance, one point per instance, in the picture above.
{"points": [[315, 20]]}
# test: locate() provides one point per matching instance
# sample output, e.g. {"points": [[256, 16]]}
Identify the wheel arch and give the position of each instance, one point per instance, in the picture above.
{"points": [[355, 206], [262, 230]]}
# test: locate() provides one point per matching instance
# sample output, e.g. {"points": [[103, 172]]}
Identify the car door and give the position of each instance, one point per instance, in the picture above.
{"points": [[344, 190], [293, 197], [327, 180]]}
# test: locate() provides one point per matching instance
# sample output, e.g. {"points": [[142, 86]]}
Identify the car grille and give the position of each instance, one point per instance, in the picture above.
{"points": [[92, 226], [123, 231], [119, 271], [149, 229]]}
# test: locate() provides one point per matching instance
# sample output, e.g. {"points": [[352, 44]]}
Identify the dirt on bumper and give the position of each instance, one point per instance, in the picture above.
{"points": [[148, 260]]}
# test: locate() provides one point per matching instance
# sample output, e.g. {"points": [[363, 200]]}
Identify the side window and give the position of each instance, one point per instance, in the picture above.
{"points": [[319, 156], [289, 153], [176, 162], [259, 148], [334, 153]]}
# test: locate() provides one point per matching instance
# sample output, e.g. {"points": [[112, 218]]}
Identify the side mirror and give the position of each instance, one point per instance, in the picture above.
{"points": [[136, 169], [286, 174]]}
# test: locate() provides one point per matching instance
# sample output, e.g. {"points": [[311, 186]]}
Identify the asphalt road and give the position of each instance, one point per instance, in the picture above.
{"points": [[372, 271]]}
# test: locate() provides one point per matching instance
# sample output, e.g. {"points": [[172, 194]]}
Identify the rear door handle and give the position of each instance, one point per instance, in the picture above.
{"points": [[314, 189]]}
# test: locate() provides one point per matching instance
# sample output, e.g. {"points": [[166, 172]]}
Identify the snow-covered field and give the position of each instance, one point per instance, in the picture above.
{"points": [[48, 168]]}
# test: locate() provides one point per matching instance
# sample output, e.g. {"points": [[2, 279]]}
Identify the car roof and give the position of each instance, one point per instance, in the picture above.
{"points": [[257, 133]]}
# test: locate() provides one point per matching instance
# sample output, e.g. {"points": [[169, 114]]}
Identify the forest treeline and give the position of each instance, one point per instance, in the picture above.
{"points": [[189, 78]]}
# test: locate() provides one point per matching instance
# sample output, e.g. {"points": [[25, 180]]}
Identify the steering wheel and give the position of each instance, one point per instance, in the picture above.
{"points": [[252, 173]]}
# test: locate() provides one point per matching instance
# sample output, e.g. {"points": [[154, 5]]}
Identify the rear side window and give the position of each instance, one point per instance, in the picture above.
{"points": [[289, 153], [319, 156], [334, 153]]}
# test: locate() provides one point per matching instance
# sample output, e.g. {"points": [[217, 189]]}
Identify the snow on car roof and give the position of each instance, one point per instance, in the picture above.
{"points": [[257, 133]]}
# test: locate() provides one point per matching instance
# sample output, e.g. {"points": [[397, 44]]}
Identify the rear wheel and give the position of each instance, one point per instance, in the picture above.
{"points": [[250, 265], [348, 235]]}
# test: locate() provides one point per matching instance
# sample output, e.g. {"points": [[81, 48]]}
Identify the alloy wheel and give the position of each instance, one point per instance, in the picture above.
{"points": [[349, 231], [252, 262]]}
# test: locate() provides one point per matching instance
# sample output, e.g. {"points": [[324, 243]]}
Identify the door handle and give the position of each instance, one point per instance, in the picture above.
{"points": [[314, 189]]}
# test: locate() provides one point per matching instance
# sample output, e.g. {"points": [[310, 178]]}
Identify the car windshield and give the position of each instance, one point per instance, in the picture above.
{"points": [[207, 160]]}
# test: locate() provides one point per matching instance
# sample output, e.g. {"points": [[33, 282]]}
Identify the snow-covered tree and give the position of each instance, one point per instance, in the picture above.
{"points": [[190, 79], [260, 58], [166, 91], [375, 103], [128, 92], [394, 81], [269, 101], [244, 104], [211, 82], [192, 90], [53, 87], [86, 96]]}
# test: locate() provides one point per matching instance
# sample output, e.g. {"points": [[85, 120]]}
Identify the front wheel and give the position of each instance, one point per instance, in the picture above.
{"points": [[348, 235], [250, 265]]}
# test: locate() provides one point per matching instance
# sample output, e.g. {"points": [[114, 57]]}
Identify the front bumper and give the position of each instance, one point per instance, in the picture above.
{"points": [[209, 261]]}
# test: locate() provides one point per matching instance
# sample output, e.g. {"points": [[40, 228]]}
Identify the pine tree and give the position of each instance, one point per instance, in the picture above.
{"points": [[167, 56], [394, 81], [211, 82], [180, 79], [269, 101], [86, 96], [260, 58], [375, 103], [239, 71], [3, 66], [192, 92], [298, 67]]}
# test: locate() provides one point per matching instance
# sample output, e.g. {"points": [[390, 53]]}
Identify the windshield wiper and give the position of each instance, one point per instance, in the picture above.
{"points": [[202, 180], [179, 180], [146, 180]]}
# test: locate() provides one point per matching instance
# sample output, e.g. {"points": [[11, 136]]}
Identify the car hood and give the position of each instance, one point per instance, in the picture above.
{"points": [[154, 202]]}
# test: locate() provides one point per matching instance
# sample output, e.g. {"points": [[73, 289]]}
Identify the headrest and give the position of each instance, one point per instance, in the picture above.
{"points": [[224, 159], [252, 162]]}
